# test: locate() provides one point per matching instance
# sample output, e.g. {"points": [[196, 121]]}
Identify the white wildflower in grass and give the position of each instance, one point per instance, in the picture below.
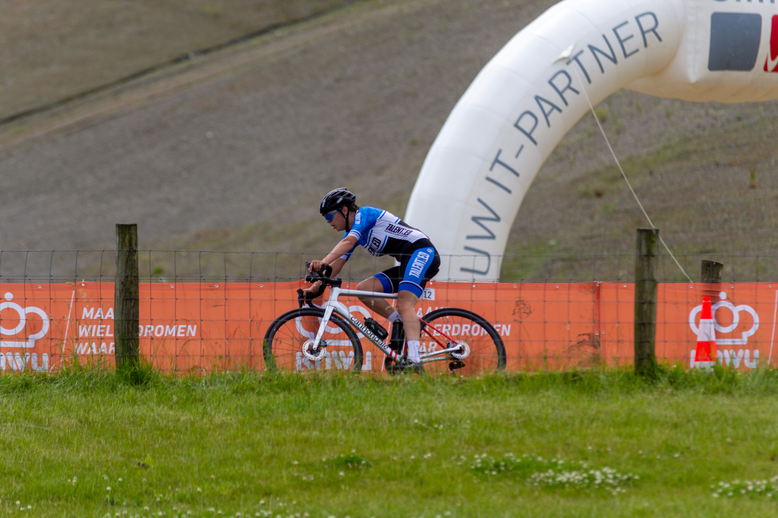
{"points": [[754, 488], [553, 473]]}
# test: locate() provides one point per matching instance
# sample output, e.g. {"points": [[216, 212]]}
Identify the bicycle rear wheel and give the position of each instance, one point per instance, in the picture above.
{"points": [[486, 348], [292, 331]]}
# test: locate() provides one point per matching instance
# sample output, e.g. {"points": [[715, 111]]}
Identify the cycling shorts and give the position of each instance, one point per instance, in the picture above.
{"points": [[416, 268]]}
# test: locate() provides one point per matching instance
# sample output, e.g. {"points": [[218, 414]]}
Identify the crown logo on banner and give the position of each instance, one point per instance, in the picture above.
{"points": [[22, 312], [18, 357]]}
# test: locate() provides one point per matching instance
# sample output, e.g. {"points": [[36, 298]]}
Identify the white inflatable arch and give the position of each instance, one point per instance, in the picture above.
{"points": [[531, 93]]}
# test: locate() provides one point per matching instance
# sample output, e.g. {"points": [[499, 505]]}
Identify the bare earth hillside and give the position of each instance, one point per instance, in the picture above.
{"points": [[233, 150], [54, 49]]}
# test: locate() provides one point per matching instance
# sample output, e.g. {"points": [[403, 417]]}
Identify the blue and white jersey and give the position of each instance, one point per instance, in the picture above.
{"points": [[382, 233]]}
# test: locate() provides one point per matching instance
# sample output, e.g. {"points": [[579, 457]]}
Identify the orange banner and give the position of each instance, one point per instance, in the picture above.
{"points": [[203, 326]]}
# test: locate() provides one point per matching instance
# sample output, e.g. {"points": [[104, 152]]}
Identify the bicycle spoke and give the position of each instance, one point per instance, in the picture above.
{"points": [[293, 333], [449, 327]]}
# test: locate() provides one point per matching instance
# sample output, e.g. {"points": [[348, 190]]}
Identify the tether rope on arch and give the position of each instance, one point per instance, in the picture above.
{"points": [[567, 54]]}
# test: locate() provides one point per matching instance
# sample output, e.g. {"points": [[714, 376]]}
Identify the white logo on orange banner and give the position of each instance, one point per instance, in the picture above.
{"points": [[720, 330], [22, 312]]}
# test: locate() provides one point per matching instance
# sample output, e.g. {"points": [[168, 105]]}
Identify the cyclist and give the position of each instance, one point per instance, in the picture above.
{"points": [[381, 233]]}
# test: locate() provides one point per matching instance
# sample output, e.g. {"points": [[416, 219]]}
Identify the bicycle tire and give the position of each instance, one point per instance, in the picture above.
{"points": [[487, 350], [284, 339]]}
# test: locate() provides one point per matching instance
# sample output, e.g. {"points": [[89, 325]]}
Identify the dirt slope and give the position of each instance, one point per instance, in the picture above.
{"points": [[233, 151], [53, 49]]}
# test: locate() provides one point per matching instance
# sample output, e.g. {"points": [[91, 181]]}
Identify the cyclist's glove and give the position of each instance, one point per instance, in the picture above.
{"points": [[306, 299]]}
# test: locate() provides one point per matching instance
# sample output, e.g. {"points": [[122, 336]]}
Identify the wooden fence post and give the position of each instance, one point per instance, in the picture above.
{"points": [[710, 275], [127, 298], [711, 271], [645, 301]]}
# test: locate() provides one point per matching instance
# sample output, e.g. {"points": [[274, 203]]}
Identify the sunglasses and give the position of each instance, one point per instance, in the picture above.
{"points": [[330, 216]]}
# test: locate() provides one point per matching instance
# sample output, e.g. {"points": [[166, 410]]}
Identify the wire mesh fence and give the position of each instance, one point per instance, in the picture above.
{"points": [[201, 265], [205, 310]]}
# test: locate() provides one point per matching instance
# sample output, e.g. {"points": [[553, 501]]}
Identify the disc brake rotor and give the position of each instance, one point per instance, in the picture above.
{"points": [[462, 351], [309, 352]]}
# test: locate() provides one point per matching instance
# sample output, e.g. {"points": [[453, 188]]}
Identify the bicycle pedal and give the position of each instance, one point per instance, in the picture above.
{"points": [[376, 328], [403, 366], [393, 368]]}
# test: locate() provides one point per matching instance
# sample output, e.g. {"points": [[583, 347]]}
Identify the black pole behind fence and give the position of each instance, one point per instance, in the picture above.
{"points": [[127, 298], [710, 275], [710, 271], [645, 301]]}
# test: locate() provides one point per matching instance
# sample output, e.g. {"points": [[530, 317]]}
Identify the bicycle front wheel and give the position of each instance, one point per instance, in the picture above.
{"points": [[292, 332], [486, 351]]}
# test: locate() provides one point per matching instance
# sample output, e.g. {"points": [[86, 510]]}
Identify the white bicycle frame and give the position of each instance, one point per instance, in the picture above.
{"points": [[459, 349]]}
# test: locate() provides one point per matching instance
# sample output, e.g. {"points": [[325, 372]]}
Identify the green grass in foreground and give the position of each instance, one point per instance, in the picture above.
{"points": [[599, 443]]}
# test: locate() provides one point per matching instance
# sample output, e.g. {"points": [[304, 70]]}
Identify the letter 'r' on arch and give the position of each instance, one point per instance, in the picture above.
{"points": [[530, 95]]}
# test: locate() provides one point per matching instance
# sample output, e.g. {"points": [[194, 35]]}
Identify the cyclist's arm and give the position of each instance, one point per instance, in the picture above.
{"points": [[336, 259], [345, 246], [337, 266]]}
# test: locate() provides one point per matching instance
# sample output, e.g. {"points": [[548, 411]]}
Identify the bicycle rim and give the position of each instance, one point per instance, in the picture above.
{"points": [[487, 351], [288, 335]]}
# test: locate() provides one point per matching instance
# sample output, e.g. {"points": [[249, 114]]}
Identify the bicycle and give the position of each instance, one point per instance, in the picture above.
{"points": [[313, 338]]}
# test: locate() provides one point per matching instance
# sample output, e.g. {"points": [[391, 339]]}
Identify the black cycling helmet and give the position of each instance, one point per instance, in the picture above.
{"points": [[335, 199]]}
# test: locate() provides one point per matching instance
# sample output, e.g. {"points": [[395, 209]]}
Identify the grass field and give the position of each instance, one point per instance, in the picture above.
{"points": [[87, 443]]}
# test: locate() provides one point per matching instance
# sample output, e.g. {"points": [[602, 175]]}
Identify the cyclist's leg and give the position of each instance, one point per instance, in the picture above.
{"points": [[383, 282], [406, 306], [420, 266]]}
